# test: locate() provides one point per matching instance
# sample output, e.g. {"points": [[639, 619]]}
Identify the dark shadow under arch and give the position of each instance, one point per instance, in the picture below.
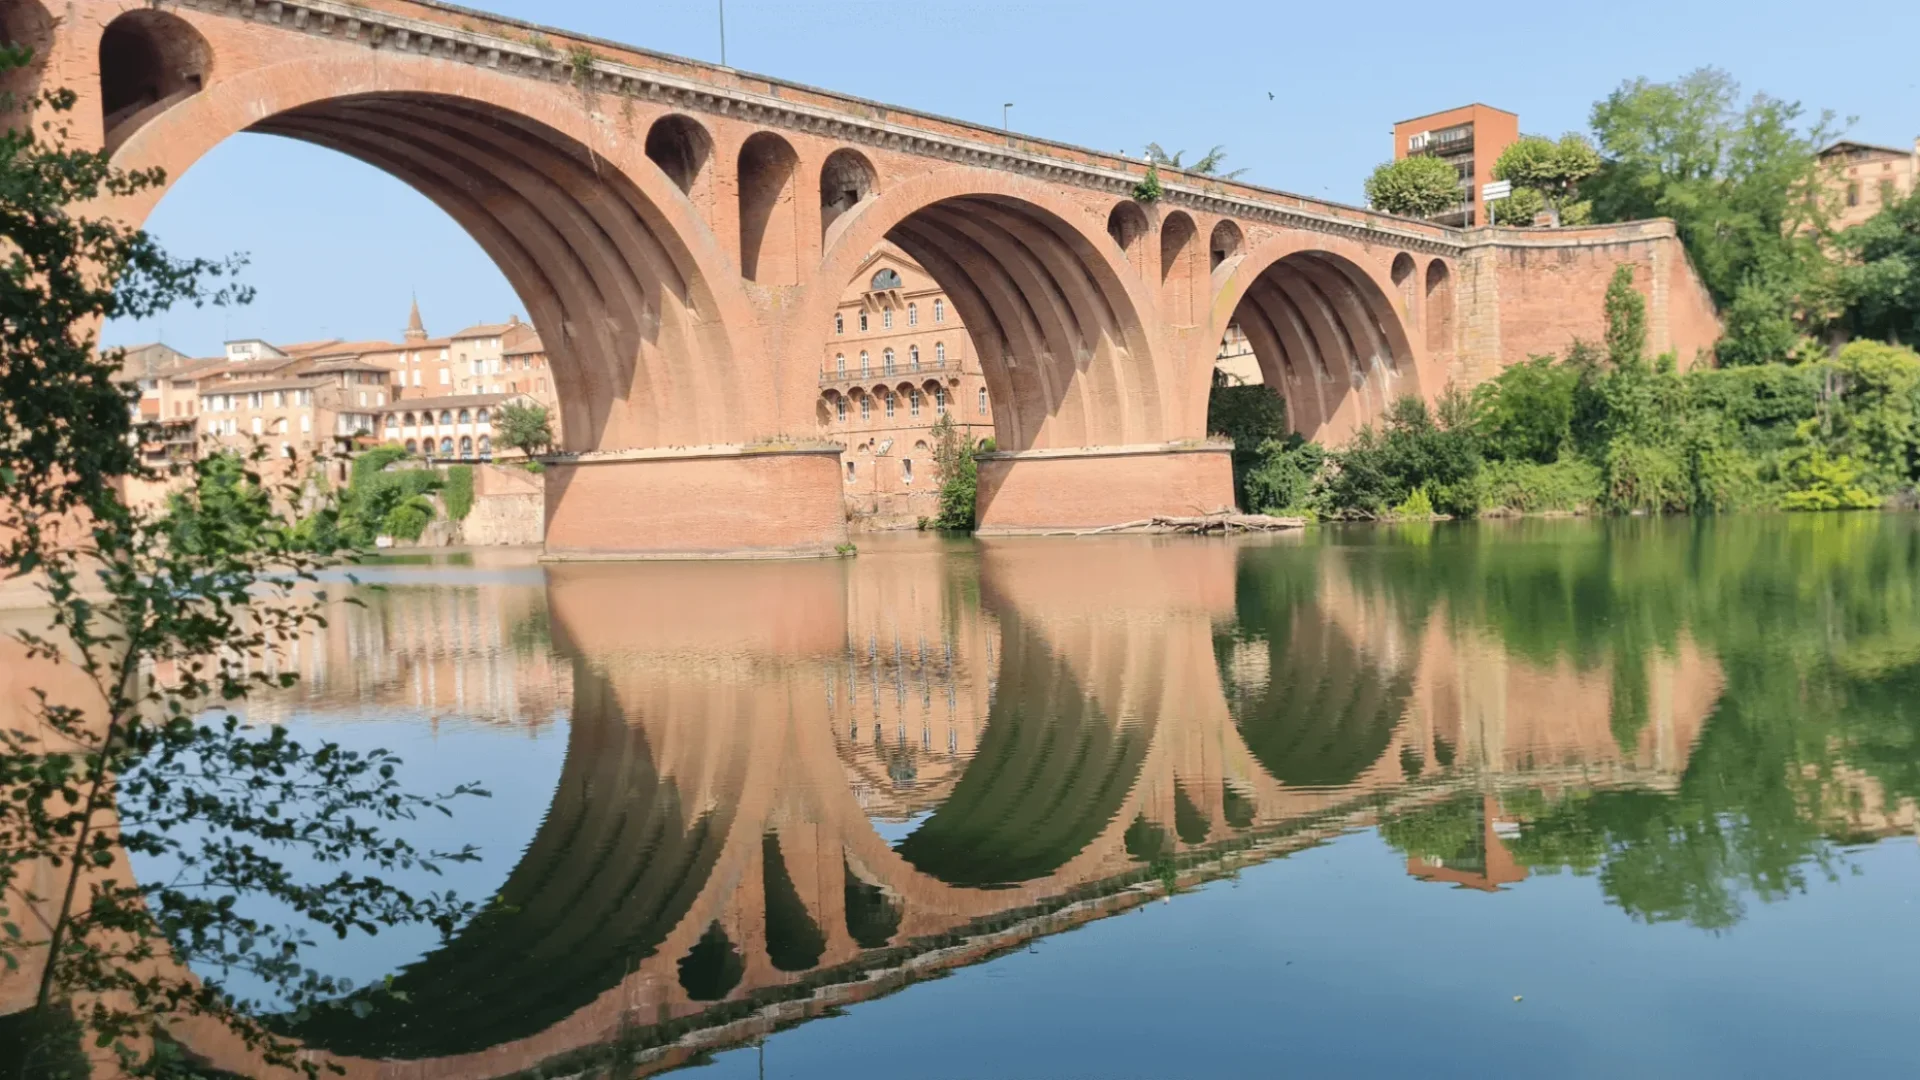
{"points": [[149, 60]]}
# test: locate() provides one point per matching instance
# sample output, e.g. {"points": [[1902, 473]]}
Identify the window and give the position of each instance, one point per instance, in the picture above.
{"points": [[886, 361], [446, 376], [379, 397], [939, 310], [913, 314], [886, 319], [839, 324], [446, 447], [865, 364], [466, 446], [913, 403], [983, 401], [866, 407], [906, 470], [486, 445], [279, 399], [849, 472], [888, 399], [884, 280], [840, 363], [913, 357], [863, 322], [446, 416], [939, 354], [443, 354], [1853, 193], [466, 416], [840, 409], [480, 417], [253, 400], [416, 377], [258, 425], [940, 400], [306, 423], [413, 446], [408, 420]]}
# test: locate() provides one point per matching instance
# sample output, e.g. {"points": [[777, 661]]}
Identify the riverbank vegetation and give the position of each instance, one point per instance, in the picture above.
{"points": [[1606, 429]]}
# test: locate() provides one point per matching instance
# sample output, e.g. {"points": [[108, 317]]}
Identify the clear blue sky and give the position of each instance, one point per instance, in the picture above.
{"points": [[337, 247]]}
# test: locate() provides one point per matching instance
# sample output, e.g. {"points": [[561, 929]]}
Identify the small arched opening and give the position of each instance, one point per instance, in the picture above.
{"points": [[1224, 244], [1439, 310], [1128, 226], [1178, 240], [846, 180], [1404, 283], [681, 147], [25, 24], [769, 244], [148, 61]]}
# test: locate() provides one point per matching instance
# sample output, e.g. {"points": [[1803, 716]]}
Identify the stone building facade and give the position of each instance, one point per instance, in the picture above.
{"points": [[1864, 179], [897, 360]]}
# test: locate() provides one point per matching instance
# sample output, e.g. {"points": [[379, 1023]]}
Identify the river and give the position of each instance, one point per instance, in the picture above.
{"points": [[1582, 798]]}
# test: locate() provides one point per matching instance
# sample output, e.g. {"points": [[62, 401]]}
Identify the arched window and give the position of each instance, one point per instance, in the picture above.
{"points": [[983, 401], [940, 400], [913, 357], [413, 447], [913, 314], [884, 280], [839, 324], [466, 416], [886, 361], [886, 319], [939, 354], [408, 420], [849, 472], [840, 363], [840, 409], [866, 362], [889, 400], [863, 322], [486, 445], [866, 407], [939, 310], [913, 403], [481, 417], [446, 416], [906, 470], [466, 446], [446, 447]]}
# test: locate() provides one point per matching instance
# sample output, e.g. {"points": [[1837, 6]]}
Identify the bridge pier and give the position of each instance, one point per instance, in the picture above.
{"points": [[1034, 491], [704, 502]]}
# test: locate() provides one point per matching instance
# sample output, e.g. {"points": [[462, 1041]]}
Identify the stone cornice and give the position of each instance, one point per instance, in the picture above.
{"points": [[535, 59]]}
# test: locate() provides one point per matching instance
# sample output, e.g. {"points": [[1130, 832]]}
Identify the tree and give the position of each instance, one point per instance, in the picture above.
{"points": [[1626, 320], [1881, 285], [959, 473], [1552, 172], [1415, 187], [1208, 165], [1742, 182], [168, 616], [524, 427], [1526, 412]]}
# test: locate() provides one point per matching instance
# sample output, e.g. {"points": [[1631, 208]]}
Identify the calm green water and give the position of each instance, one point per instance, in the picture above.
{"points": [[1535, 798]]}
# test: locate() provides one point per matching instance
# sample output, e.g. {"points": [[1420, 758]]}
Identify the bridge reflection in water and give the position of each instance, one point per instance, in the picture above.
{"points": [[1049, 733]]}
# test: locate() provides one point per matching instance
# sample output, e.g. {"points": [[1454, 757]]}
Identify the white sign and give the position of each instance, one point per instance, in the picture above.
{"points": [[1499, 189]]}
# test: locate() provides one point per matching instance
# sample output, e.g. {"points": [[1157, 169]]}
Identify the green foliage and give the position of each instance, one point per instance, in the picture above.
{"points": [[1637, 476], [380, 503], [1519, 208], [1251, 416], [1417, 506], [523, 427], [959, 471], [1547, 174], [1819, 482], [1208, 165], [458, 494], [1414, 187], [1626, 314], [1570, 486], [1880, 421], [1880, 286], [1380, 469], [1148, 190], [1282, 480], [1759, 327], [1526, 412]]}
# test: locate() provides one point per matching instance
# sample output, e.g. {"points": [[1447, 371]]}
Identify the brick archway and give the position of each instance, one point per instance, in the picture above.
{"points": [[1320, 314], [599, 243]]}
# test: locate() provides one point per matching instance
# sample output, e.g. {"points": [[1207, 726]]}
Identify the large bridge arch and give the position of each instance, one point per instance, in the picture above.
{"points": [[1321, 316]]}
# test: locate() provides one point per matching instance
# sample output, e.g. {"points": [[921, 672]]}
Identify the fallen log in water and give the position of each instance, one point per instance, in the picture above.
{"points": [[1203, 524]]}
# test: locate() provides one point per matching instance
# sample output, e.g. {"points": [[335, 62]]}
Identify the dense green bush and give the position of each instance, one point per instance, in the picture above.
{"points": [[458, 494], [1282, 480], [1250, 416], [1380, 469], [1570, 485]]}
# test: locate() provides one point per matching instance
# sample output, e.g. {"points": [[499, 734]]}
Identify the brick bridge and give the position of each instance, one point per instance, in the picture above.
{"points": [[681, 233]]}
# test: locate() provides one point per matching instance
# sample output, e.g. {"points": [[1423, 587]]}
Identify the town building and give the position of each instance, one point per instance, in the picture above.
{"points": [[898, 360], [1471, 139], [456, 427], [1864, 178]]}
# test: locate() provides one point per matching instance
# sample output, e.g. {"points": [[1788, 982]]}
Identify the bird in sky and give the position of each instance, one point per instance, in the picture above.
{"points": [[1269, 95]]}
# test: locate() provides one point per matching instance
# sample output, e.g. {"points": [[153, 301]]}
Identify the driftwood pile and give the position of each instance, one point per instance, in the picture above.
{"points": [[1203, 524]]}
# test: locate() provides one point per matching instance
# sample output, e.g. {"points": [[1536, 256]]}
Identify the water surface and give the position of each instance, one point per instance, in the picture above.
{"points": [[1581, 798]]}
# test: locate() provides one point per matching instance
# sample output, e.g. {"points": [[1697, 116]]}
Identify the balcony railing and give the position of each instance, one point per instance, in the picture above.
{"points": [[836, 377]]}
